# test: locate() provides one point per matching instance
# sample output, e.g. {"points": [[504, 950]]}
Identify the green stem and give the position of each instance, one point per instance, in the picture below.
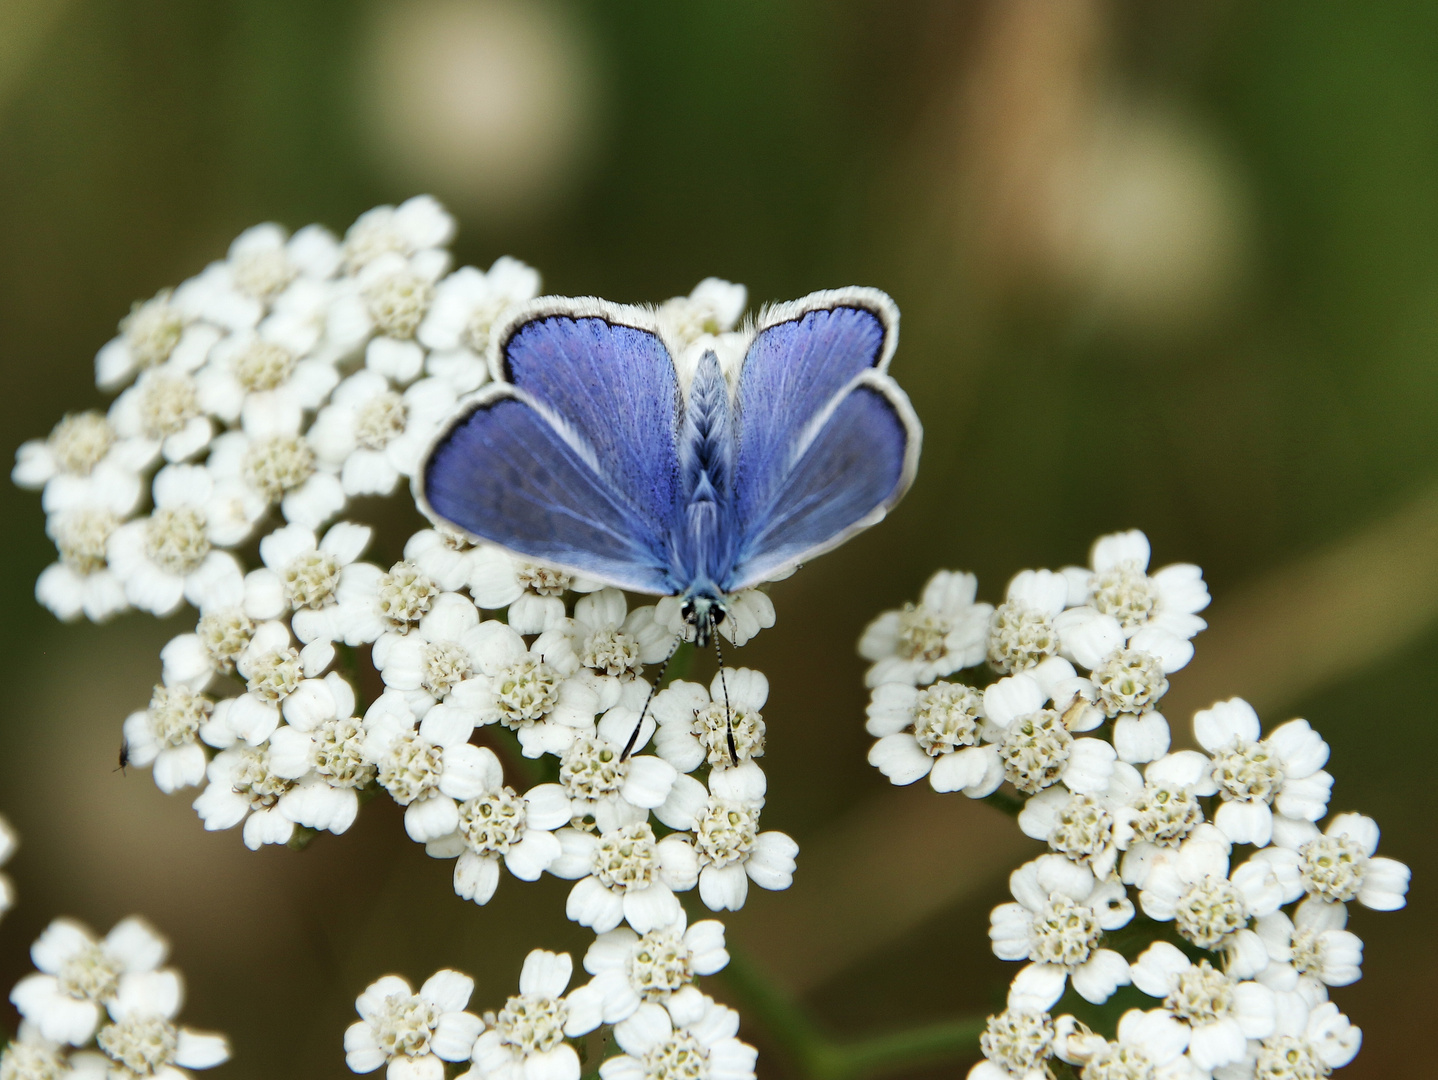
{"points": [[506, 743], [1002, 800], [679, 664], [821, 1058], [350, 668]]}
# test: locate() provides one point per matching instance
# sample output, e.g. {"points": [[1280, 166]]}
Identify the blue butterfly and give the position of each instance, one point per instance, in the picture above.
{"points": [[594, 452]]}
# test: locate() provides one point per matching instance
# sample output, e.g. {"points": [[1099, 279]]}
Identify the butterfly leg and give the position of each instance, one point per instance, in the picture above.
{"points": [[653, 688], [728, 711]]}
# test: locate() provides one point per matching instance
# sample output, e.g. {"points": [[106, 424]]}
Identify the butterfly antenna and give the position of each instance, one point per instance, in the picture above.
{"points": [[728, 712], [653, 687]]}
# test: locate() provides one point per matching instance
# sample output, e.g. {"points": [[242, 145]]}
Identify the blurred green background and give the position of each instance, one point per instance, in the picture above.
{"points": [[1162, 266]]}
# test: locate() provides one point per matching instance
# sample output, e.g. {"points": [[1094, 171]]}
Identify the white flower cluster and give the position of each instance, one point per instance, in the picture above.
{"points": [[258, 399], [296, 373], [665, 1027], [1240, 897], [103, 1009]]}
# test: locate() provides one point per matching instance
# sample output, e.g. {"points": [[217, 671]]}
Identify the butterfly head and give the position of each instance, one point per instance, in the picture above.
{"points": [[704, 613]]}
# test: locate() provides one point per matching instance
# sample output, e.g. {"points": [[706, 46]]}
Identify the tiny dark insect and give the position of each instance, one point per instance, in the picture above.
{"points": [[124, 759]]}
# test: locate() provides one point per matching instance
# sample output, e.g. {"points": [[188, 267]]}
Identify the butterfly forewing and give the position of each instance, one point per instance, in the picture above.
{"points": [[503, 473], [614, 386], [793, 370]]}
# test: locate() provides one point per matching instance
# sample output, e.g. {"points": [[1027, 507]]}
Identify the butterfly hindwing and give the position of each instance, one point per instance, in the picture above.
{"points": [[503, 472], [858, 464]]}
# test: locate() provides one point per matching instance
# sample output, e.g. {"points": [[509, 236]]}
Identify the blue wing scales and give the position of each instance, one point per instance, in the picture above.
{"points": [[827, 442], [857, 465], [613, 385], [504, 473]]}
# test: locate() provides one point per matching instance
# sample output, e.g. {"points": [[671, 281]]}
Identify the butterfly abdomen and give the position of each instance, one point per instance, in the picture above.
{"points": [[704, 547]]}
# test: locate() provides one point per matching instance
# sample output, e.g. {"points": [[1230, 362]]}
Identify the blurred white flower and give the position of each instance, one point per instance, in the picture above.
{"points": [[9, 841], [157, 331], [173, 555], [79, 975], [166, 736], [142, 1039], [493, 104], [469, 306]]}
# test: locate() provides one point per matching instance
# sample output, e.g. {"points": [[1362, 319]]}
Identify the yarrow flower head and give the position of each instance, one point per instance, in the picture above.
{"points": [[1057, 924], [321, 750], [414, 1033], [1116, 583], [630, 969], [469, 305], [532, 594], [527, 1036], [1340, 866], [722, 724], [607, 789], [167, 736], [1222, 1013], [936, 732], [688, 1035], [1210, 906], [1021, 629], [1032, 741], [625, 874], [498, 826], [921, 642], [527, 689], [1073, 726], [429, 768], [1017, 1044], [1255, 776], [174, 555]]}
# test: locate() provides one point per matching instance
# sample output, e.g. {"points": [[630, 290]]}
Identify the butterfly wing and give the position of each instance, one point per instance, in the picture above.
{"points": [[827, 442], [601, 370], [569, 459]]}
